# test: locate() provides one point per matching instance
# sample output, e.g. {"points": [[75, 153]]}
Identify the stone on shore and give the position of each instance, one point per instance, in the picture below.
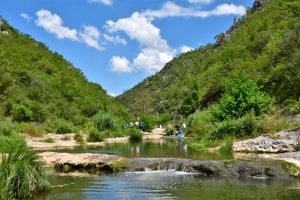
{"points": [[284, 141]]}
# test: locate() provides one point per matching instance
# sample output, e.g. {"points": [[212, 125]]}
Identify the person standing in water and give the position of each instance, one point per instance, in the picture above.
{"points": [[178, 131]]}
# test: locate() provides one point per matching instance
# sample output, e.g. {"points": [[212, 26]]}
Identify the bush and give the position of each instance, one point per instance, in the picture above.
{"points": [[149, 122], [30, 129], [164, 118], [79, 138], [64, 127], [103, 121], [240, 127], [134, 134], [21, 113], [22, 173], [95, 135], [170, 130], [226, 147], [241, 96], [6, 128]]}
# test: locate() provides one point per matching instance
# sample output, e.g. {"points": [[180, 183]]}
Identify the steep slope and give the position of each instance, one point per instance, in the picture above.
{"points": [[38, 85], [264, 45]]}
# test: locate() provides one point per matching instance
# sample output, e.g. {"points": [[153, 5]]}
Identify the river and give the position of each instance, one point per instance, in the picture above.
{"points": [[165, 184]]}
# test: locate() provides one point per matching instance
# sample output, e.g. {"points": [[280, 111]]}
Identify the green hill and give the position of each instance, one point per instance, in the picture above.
{"points": [[40, 86], [264, 46]]}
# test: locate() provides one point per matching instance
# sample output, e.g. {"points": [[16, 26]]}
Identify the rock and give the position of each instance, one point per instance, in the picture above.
{"points": [[284, 141], [246, 169], [66, 162]]}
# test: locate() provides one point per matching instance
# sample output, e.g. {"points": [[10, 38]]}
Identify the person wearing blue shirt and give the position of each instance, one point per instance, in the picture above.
{"points": [[178, 131]]}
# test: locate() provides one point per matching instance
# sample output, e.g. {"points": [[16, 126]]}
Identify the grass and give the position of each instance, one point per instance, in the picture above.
{"points": [[22, 173], [47, 140], [95, 135], [134, 134], [226, 147], [30, 129], [79, 138]]}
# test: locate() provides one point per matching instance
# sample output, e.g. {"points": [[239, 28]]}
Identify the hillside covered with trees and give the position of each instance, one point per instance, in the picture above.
{"points": [[40, 86], [264, 46]]}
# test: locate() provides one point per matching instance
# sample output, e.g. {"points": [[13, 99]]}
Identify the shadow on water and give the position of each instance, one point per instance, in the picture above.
{"points": [[162, 148]]}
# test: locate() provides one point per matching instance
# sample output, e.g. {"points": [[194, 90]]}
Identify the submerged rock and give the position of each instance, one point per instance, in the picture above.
{"points": [[284, 141]]}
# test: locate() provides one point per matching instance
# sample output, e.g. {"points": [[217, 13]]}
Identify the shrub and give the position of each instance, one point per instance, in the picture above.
{"points": [[170, 130], [30, 129], [226, 147], [22, 173], [21, 113], [164, 118], [79, 138], [241, 96], [95, 135], [6, 128], [240, 127], [134, 134], [103, 121], [149, 122], [64, 127]]}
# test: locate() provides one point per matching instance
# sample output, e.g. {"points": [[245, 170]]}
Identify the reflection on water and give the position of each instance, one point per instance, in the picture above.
{"points": [[163, 148], [170, 185]]}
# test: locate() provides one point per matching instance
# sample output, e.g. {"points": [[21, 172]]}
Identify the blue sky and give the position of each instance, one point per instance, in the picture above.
{"points": [[118, 43]]}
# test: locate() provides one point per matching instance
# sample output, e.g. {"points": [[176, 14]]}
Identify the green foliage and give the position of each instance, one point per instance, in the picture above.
{"points": [[94, 135], [263, 46], [226, 147], [38, 85], [22, 173], [47, 140], [79, 138], [6, 128], [149, 122], [21, 113], [64, 127], [134, 134], [30, 129], [103, 121], [241, 97], [170, 129]]}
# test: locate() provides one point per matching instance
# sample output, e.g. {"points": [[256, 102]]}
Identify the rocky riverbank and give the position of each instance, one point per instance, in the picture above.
{"points": [[284, 141]]}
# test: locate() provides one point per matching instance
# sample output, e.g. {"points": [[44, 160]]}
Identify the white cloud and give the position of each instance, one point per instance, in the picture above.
{"points": [[91, 36], [106, 2], [152, 60], [112, 94], [155, 52], [52, 23], [170, 9], [115, 39], [184, 49], [26, 17], [200, 1], [120, 65]]}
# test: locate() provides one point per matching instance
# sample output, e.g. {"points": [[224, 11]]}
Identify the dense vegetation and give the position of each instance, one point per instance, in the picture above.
{"points": [[22, 174], [40, 86], [263, 46]]}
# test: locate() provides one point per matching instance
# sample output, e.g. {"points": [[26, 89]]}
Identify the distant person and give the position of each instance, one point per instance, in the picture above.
{"points": [[141, 125], [178, 131], [130, 124], [136, 124]]}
